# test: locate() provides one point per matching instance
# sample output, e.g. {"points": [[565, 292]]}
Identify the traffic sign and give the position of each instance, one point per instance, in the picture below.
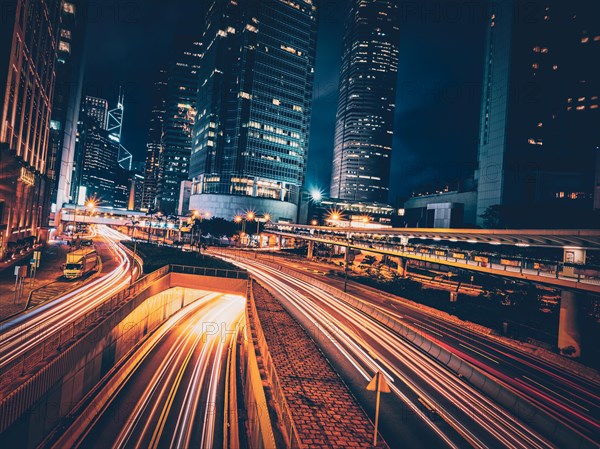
{"points": [[378, 383]]}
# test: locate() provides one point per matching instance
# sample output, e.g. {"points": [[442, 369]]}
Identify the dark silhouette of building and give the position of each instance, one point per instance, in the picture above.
{"points": [[28, 53], [155, 141], [539, 139], [367, 96], [67, 100], [250, 140]]}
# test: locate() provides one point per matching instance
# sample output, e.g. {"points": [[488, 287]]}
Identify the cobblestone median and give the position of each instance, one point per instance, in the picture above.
{"points": [[324, 411]]}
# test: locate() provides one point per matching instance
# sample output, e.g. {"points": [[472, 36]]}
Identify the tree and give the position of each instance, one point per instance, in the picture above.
{"points": [[493, 217]]}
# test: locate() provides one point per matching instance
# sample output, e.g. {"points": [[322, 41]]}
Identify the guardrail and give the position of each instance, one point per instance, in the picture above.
{"points": [[547, 270], [215, 272]]}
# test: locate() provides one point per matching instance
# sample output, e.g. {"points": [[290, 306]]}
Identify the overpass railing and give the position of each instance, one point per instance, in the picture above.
{"points": [[579, 273]]}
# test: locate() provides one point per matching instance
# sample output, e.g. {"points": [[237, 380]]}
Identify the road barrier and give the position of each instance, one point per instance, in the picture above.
{"points": [[259, 428]]}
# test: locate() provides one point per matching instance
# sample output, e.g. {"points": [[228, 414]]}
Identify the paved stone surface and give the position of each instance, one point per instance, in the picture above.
{"points": [[324, 411]]}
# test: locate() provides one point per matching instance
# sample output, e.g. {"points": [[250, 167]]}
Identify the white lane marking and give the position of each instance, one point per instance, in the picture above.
{"points": [[557, 394], [480, 353]]}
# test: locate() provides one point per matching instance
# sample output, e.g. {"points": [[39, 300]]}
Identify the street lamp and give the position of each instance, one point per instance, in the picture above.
{"points": [[348, 243]]}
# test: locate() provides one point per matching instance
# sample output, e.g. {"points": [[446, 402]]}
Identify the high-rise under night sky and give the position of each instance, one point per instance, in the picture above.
{"points": [[439, 89]]}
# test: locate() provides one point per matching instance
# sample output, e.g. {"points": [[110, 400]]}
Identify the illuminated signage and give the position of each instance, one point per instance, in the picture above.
{"points": [[27, 177]]}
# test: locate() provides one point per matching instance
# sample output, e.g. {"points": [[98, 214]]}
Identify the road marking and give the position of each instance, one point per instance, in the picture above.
{"points": [[480, 353], [557, 394], [427, 329]]}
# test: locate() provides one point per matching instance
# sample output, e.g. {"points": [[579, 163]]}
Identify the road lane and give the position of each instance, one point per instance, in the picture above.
{"points": [[567, 396], [174, 398], [370, 347]]}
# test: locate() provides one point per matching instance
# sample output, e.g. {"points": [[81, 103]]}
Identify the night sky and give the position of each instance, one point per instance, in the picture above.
{"points": [[439, 85]]}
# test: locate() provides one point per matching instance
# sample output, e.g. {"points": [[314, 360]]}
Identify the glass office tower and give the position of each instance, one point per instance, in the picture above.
{"points": [[180, 112], [250, 140], [367, 96]]}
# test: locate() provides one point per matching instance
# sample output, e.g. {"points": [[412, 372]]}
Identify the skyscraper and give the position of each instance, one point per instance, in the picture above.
{"points": [[174, 157], [28, 53], [67, 99], [367, 95], [254, 105], [155, 141], [539, 139], [97, 150]]}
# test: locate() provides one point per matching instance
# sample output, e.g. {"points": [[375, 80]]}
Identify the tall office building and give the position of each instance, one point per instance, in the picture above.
{"points": [[367, 94], [539, 139], [155, 141], [254, 105], [67, 100], [97, 152], [28, 53], [174, 157]]}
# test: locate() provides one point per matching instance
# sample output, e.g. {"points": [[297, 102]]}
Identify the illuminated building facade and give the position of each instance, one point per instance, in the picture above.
{"points": [[367, 94], [174, 156], [250, 141], [98, 152], [155, 141], [539, 140], [28, 53]]}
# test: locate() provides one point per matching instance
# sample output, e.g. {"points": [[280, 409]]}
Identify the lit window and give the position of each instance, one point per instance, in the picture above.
{"points": [[276, 102], [64, 47], [584, 40], [69, 8]]}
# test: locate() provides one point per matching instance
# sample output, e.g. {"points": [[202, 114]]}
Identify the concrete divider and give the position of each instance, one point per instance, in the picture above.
{"points": [[73, 363], [536, 418], [256, 374]]}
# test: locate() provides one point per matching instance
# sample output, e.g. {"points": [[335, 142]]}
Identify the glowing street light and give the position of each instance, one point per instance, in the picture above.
{"points": [[314, 222], [316, 195]]}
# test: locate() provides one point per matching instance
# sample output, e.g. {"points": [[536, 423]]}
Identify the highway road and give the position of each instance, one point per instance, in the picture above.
{"points": [[568, 396], [23, 332], [416, 379], [170, 394]]}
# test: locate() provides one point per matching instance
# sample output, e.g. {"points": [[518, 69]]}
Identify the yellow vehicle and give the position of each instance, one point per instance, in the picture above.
{"points": [[80, 262]]}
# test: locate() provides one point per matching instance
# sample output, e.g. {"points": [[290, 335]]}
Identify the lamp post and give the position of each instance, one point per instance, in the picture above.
{"points": [[90, 205], [346, 260], [250, 216], [133, 223]]}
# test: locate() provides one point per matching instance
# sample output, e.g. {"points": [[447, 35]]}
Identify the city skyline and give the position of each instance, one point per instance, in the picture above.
{"points": [[316, 224], [445, 90]]}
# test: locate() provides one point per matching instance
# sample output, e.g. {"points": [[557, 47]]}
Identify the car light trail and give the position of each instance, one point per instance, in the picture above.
{"points": [[30, 329], [457, 402]]}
